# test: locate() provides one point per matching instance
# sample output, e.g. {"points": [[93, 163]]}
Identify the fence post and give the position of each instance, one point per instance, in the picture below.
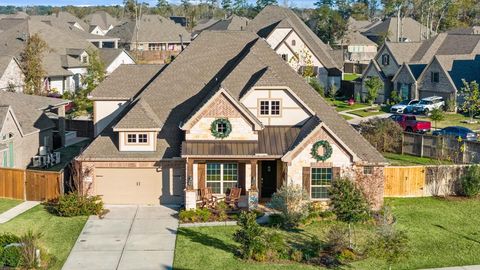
{"points": [[421, 146], [403, 141]]}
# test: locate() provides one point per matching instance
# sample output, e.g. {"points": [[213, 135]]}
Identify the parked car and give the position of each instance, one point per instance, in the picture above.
{"points": [[458, 132], [409, 123], [426, 105], [405, 106]]}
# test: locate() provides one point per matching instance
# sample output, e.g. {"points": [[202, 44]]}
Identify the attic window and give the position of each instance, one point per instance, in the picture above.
{"points": [[385, 59], [269, 107], [435, 77], [294, 42], [285, 57]]}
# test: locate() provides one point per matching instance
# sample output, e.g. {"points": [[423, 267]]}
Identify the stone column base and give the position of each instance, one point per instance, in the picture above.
{"points": [[252, 199], [190, 199]]}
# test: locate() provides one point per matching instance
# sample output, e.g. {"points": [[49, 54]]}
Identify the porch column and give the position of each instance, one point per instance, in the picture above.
{"points": [[61, 124], [190, 192], [115, 44], [252, 193], [100, 44]]}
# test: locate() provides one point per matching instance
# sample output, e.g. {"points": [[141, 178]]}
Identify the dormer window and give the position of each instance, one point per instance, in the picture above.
{"points": [[269, 107], [385, 59], [137, 138]]}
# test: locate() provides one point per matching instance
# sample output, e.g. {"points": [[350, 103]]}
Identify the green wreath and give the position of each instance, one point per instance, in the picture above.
{"points": [[226, 131], [327, 150]]}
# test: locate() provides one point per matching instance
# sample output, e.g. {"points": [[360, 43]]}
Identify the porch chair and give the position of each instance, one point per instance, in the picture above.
{"points": [[207, 198], [234, 197]]}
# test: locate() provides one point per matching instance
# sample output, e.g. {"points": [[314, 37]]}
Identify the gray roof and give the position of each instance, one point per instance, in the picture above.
{"points": [[403, 51], [3, 113], [150, 28], [361, 25], [237, 60], [274, 16], [203, 24], [62, 19], [473, 30], [461, 67], [5, 60], [140, 116], [101, 19], [412, 30], [234, 23], [125, 82], [29, 109], [353, 37], [108, 55]]}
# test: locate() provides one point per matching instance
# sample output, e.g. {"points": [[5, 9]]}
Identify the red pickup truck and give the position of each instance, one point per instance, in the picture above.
{"points": [[409, 123]]}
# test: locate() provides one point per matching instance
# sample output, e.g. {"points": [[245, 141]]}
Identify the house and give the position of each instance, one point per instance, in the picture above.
{"points": [[62, 19], [226, 112], [357, 48], [11, 74], [25, 126], [232, 23], [113, 58], [293, 40], [100, 22], [396, 29], [152, 37]]}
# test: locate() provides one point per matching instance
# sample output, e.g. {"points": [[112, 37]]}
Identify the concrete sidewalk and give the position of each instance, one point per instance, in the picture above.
{"points": [[469, 267], [129, 237], [17, 210]]}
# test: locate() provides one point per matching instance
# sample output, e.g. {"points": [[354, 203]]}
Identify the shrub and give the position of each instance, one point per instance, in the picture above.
{"points": [[389, 244], [383, 133], [28, 250], [276, 246], [8, 238], [73, 204], [201, 214], [222, 211], [11, 256], [292, 201], [275, 220], [315, 84], [337, 240], [348, 202], [470, 183], [250, 236], [373, 85]]}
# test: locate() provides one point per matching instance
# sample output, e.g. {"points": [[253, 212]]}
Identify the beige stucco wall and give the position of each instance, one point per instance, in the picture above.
{"points": [[277, 36], [12, 75], [104, 111], [149, 146], [292, 111]]}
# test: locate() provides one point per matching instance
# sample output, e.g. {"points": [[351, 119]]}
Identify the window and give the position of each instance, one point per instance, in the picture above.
{"points": [[221, 127], [434, 77], [270, 107], [367, 170], [132, 138], [321, 182], [221, 177], [154, 46], [385, 59], [285, 57], [294, 42], [142, 138]]}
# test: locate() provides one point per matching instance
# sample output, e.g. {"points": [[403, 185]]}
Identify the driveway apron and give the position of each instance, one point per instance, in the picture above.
{"points": [[127, 238]]}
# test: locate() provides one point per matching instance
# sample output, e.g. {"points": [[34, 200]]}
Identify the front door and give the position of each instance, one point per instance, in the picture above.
{"points": [[269, 178]]}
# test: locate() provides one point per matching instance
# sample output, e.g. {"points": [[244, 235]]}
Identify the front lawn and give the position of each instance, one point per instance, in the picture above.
{"points": [[366, 113], [341, 105], [59, 233], [6, 204], [452, 119], [442, 232], [351, 76], [409, 160]]}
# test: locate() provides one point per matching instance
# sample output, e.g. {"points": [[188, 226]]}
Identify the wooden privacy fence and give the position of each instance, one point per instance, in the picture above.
{"points": [[30, 185], [419, 181]]}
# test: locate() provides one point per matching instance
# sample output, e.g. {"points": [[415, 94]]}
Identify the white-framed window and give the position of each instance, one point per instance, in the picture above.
{"points": [[321, 180], [385, 59], [137, 138], [221, 128], [270, 107], [154, 46], [221, 177], [131, 138], [143, 138]]}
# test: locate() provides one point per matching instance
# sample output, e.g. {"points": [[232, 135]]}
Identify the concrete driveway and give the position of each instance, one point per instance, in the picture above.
{"points": [[129, 237]]}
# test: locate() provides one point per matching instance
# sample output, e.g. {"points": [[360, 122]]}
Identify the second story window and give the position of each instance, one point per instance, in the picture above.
{"points": [[270, 107], [435, 77], [285, 57], [294, 42], [385, 59], [142, 138], [132, 138], [137, 138]]}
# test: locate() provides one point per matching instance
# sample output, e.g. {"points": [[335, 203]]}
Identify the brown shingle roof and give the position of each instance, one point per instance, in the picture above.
{"points": [[412, 30], [403, 51]]}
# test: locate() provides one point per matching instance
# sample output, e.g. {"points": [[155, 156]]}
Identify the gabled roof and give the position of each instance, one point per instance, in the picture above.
{"points": [[101, 19], [353, 37], [233, 60], [274, 16], [62, 20], [150, 28], [5, 61], [140, 117], [108, 55], [125, 82], [234, 23], [412, 30], [461, 67], [373, 64], [402, 51], [5, 110]]}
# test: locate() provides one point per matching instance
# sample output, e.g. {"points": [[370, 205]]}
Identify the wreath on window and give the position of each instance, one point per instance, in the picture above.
{"points": [[327, 150], [221, 128]]}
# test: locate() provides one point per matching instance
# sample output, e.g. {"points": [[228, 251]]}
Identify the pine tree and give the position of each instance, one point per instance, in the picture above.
{"points": [[164, 7], [31, 62], [227, 5], [263, 3]]}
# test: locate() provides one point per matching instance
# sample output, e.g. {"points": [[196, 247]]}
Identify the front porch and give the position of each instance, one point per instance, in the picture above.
{"points": [[257, 178]]}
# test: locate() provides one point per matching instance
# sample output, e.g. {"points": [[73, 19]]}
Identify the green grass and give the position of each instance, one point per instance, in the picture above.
{"points": [[409, 160], [442, 232], [6, 204], [452, 119], [341, 105], [350, 76], [59, 233], [346, 117], [366, 113], [67, 154]]}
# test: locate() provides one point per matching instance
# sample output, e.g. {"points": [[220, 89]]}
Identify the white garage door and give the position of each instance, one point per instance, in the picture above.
{"points": [[128, 186]]}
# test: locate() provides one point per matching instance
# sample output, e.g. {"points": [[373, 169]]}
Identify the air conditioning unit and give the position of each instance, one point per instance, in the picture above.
{"points": [[38, 161], [56, 157], [42, 150]]}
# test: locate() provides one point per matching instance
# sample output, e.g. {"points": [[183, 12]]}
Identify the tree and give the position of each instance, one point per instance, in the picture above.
{"points": [[164, 8], [348, 203], [31, 62], [383, 133], [185, 4], [292, 202], [373, 86], [130, 8], [330, 25], [389, 244], [437, 115], [227, 6], [263, 3], [471, 98]]}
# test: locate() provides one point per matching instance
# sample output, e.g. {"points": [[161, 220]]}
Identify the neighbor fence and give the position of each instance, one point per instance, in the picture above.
{"points": [[30, 185], [420, 181], [441, 147]]}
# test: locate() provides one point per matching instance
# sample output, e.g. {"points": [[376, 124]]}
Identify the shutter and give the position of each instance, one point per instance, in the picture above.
{"points": [[336, 173], [241, 177], [306, 179], [201, 175]]}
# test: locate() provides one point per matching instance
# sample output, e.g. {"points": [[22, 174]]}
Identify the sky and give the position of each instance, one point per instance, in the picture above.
{"points": [[295, 3]]}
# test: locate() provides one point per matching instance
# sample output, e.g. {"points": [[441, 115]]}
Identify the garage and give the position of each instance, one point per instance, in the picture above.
{"points": [[128, 186]]}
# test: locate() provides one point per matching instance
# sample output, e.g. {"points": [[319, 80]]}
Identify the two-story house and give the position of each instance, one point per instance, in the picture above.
{"points": [[296, 43], [227, 112]]}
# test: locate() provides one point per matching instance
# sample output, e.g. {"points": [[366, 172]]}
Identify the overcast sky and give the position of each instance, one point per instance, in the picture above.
{"points": [[295, 3]]}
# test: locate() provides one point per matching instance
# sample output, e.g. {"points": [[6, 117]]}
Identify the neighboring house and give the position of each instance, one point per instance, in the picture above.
{"points": [[153, 34], [229, 84], [401, 66], [100, 22], [293, 40], [474, 30], [62, 19], [11, 74], [24, 127], [113, 58], [357, 48], [232, 23], [397, 30], [117, 90]]}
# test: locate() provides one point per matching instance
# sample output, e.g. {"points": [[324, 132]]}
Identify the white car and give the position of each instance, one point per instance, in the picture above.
{"points": [[426, 105], [405, 106]]}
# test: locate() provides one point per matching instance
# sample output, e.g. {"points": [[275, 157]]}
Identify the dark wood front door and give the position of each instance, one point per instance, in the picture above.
{"points": [[269, 178]]}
